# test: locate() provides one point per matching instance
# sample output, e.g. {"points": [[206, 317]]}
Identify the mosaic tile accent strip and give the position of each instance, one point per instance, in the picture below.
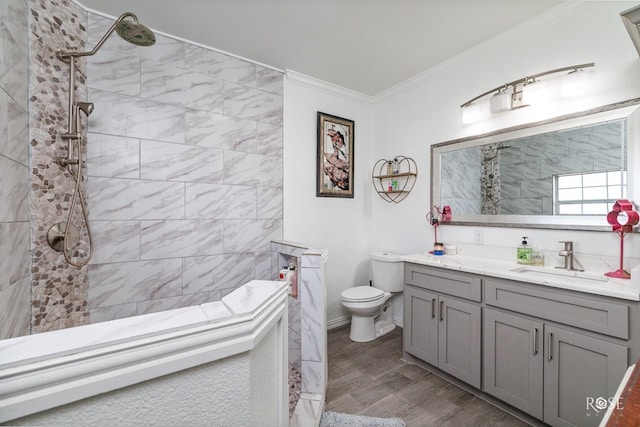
{"points": [[59, 291]]}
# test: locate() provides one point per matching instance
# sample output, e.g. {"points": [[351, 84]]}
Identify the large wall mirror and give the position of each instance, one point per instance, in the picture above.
{"points": [[563, 173]]}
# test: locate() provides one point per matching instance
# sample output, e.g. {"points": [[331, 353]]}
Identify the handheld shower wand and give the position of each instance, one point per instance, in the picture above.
{"points": [[64, 236]]}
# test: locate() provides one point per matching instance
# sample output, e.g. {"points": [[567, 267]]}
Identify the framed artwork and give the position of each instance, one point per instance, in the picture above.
{"points": [[335, 156]]}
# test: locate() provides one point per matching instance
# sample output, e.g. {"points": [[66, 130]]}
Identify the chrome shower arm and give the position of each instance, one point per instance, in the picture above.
{"points": [[66, 56]]}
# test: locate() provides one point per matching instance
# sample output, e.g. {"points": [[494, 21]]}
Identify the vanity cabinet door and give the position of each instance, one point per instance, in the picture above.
{"points": [[513, 360], [459, 339], [421, 324], [578, 368]]}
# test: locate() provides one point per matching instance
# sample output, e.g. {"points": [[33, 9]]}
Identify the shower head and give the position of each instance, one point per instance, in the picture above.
{"points": [[129, 30], [135, 33], [85, 107]]}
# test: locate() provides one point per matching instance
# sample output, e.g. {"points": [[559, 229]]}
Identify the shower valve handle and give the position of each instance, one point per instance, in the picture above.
{"points": [[63, 161]]}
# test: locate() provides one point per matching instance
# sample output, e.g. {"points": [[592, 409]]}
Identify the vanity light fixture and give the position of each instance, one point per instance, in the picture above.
{"points": [[527, 91]]}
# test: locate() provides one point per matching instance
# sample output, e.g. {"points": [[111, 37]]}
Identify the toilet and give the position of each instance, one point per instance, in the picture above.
{"points": [[370, 308]]}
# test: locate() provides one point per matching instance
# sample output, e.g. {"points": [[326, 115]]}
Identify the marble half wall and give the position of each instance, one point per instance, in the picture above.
{"points": [[307, 314]]}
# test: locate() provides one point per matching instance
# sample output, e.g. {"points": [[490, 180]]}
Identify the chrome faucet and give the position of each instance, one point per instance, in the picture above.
{"points": [[567, 253]]}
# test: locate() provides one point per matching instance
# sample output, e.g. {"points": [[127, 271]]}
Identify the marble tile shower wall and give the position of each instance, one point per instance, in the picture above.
{"points": [[15, 279], [185, 173]]}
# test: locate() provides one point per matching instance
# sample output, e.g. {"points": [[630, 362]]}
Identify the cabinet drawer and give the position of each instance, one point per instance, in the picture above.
{"points": [[447, 282], [590, 314]]}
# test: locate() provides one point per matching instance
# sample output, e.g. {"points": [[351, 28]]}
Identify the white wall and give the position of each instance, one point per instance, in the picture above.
{"points": [[429, 113], [425, 110], [340, 225]]}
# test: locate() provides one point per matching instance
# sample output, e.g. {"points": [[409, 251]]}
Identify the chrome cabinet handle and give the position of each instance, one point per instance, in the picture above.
{"points": [[433, 308], [535, 341], [441, 311], [549, 346]]}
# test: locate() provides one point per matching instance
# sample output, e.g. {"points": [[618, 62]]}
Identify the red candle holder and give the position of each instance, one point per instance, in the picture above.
{"points": [[622, 219]]}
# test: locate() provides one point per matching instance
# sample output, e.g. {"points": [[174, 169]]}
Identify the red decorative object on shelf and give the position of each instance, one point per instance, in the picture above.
{"points": [[622, 219]]}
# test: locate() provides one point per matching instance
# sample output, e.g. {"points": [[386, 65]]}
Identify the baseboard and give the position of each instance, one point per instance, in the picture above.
{"points": [[399, 321], [346, 320], [336, 323]]}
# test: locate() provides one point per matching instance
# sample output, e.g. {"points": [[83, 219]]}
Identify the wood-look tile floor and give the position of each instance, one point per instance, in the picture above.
{"points": [[371, 379]]}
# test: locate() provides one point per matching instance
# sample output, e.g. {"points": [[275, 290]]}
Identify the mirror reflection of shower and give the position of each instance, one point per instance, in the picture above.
{"points": [[64, 236]]}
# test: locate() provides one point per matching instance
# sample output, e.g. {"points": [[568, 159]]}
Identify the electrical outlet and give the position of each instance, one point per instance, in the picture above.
{"points": [[478, 237]]}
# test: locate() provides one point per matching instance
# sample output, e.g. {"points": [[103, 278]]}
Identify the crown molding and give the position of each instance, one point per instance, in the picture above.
{"points": [[328, 88]]}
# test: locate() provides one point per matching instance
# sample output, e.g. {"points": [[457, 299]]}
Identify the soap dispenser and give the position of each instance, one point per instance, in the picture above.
{"points": [[525, 253]]}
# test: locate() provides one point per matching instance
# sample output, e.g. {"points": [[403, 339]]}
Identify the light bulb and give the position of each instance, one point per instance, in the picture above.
{"points": [[470, 113], [574, 84], [501, 101], [534, 93]]}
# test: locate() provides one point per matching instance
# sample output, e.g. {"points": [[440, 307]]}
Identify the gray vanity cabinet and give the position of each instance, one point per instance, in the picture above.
{"points": [[546, 370], [421, 313], [542, 350], [441, 329], [460, 339], [514, 360], [578, 367]]}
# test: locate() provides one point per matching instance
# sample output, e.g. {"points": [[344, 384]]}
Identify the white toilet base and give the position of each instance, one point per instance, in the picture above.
{"points": [[362, 328], [368, 328]]}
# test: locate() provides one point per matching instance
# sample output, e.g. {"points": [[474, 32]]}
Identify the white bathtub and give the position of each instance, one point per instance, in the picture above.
{"points": [[223, 362]]}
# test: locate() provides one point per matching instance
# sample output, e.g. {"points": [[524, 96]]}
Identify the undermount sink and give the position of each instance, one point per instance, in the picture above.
{"points": [[559, 273]]}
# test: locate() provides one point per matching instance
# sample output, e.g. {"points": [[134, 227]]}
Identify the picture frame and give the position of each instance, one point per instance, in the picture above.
{"points": [[335, 156]]}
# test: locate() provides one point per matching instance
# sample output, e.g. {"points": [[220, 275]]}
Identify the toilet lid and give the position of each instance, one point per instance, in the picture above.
{"points": [[362, 294]]}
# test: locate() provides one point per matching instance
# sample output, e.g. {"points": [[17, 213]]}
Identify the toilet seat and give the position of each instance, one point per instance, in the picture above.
{"points": [[362, 294]]}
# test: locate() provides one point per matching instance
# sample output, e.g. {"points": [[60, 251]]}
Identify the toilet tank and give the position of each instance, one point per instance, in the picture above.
{"points": [[387, 272]]}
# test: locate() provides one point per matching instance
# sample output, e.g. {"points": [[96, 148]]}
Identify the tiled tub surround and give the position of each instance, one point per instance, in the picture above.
{"points": [[223, 362], [307, 334], [15, 259], [184, 165], [185, 173]]}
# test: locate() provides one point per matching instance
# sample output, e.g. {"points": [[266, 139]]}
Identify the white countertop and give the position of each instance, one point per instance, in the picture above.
{"points": [[589, 282]]}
